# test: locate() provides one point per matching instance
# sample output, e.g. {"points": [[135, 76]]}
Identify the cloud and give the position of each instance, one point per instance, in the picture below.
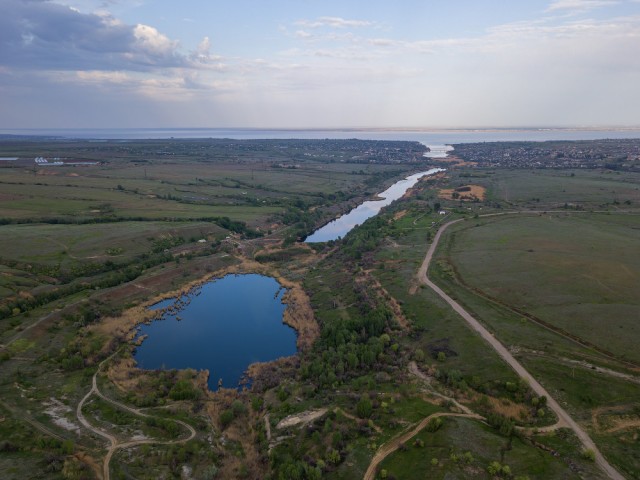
{"points": [[303, 34], [333, 22], [43, 35], [579, 5], [202, 55]]}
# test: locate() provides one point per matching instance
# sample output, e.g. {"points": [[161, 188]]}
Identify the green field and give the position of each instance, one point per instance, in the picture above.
{"points": [[577, 272], [553, 188], [557, 284], [465, 448]]}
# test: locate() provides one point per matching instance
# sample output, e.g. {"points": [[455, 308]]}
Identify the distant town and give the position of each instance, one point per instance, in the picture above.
{"points": [[609, 154]]}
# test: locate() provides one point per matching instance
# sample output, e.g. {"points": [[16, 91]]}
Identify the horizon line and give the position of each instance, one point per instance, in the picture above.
{"points": [[355, 129]]}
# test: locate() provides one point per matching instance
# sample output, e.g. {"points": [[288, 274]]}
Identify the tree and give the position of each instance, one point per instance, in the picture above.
{"points": [[494, 468], [333, 456], [226, 417], [589, 455], [364, 407]]}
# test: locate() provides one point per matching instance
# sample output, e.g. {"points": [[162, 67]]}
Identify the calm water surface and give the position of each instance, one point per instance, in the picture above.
{"points": [[428, 137], [342, 225], [228, 324]]}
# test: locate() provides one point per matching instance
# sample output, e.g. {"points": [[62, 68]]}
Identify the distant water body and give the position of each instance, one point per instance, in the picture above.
{"points": [[432, 137]]}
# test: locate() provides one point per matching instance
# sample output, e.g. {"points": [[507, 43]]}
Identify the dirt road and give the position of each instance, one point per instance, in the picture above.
{"points": [[563, 416], [114, 443], [388, 448]]}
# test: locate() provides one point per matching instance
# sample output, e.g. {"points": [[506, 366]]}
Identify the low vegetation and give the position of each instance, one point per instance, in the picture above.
{"points": [[395, 384]]}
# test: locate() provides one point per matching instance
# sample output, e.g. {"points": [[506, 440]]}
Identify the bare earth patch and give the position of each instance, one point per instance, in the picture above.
{"points": [[399, 214], [466, 193], [616, 418], [301, 418], [59, 412]]}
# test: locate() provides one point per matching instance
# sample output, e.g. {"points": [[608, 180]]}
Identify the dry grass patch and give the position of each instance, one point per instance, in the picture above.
{"points": [[507, 408], [399, 214], [466, 193]]}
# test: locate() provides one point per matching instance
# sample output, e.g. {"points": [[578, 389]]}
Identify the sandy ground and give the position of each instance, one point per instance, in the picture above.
{"points": [[60, 413], [300, 418]]}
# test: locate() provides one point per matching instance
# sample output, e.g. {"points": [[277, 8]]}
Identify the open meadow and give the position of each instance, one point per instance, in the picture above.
{"points": [[558, 284], [388, 376]]}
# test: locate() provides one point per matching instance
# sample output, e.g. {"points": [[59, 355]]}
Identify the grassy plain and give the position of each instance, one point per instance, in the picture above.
{"points": [[83, 243], [553, 188], [464, 448], [558, 283], [578, 272], [112, 235]]}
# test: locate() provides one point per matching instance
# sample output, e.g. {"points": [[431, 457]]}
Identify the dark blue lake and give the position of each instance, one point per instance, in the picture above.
{"points": [[225, 326]]}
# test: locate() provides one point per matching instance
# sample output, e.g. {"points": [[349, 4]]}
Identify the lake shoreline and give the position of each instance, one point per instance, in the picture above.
{"points": [[298, 315]]}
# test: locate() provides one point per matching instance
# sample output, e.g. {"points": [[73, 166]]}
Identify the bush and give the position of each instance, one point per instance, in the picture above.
{"points": [[226, 417], [364, 407], [494, 468], [238, 408], [434, 424], [183, 390], [334, 457]]}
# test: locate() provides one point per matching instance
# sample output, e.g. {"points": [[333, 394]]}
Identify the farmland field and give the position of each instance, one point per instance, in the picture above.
{"points": [[578, 272]]}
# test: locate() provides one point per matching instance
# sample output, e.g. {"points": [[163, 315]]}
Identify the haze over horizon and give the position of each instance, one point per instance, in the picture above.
{"points": [[252, 64]]}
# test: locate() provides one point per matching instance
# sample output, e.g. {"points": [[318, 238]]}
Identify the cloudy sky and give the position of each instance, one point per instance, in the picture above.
{"points": [[319, 63]]}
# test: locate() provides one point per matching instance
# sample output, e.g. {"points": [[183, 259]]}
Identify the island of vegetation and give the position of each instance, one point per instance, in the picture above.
{"points": [[536, 242]]}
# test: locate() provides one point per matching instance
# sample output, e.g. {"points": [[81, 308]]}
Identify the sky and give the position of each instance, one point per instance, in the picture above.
{"points": [[319, 63]]}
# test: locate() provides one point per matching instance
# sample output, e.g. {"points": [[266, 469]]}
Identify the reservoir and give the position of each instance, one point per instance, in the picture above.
{"points": [[223, 326], [339, 227]]}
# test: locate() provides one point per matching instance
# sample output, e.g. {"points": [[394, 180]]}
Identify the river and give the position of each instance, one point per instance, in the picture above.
{"points": [[339, 227]]}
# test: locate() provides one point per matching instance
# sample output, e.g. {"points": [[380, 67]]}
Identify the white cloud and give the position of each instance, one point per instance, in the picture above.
{"points": [[150, 40], [303, 34], [333, 22], [101, 77], [328, 70], [579, 5]]}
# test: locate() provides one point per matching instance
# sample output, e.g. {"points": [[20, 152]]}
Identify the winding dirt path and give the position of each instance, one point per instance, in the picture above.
{"points": [[114, 443], [413, 368], [562, 414], [391, 446]]}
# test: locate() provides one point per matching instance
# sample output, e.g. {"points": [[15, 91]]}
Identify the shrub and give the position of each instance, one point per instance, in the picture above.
{"points": [[226, 417], [364, 407]]}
